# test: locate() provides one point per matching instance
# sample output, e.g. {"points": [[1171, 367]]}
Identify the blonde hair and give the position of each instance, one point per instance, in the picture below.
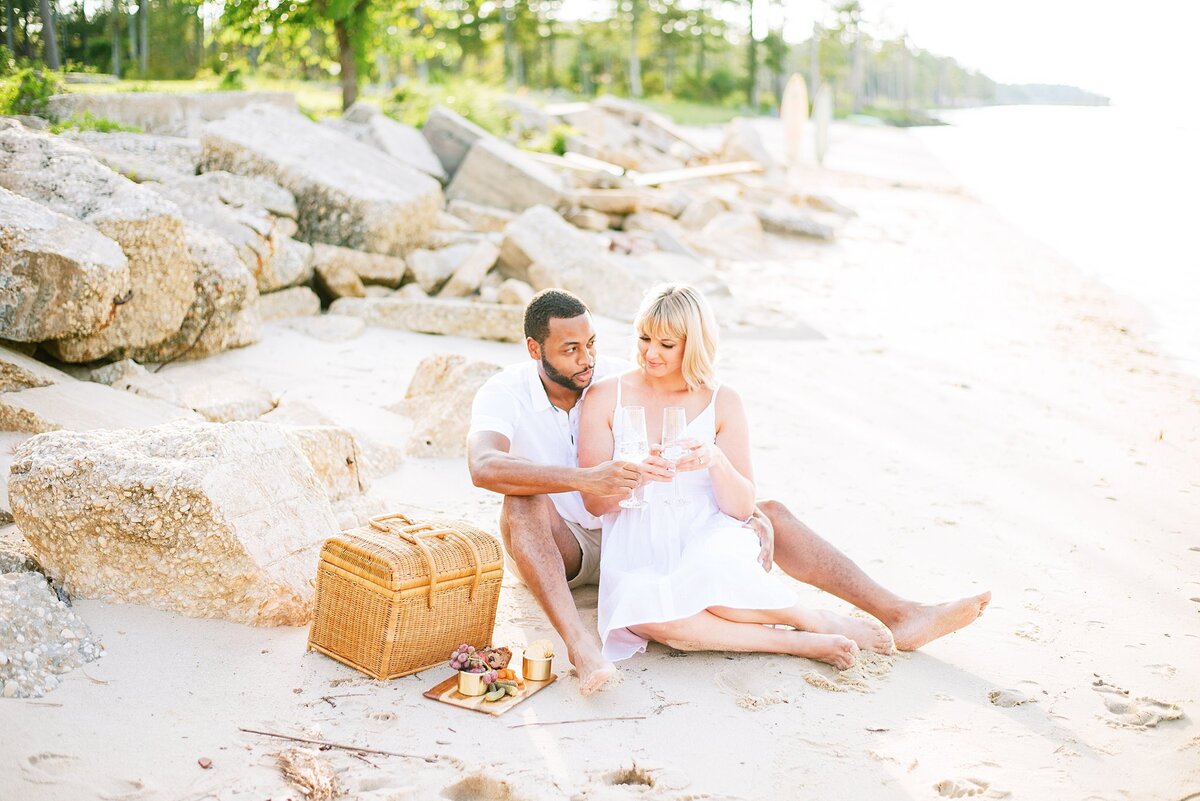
{"points": [[680, 312]]}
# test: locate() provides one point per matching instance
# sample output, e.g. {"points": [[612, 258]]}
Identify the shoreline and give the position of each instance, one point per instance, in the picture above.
{"points": [[961, 426]]}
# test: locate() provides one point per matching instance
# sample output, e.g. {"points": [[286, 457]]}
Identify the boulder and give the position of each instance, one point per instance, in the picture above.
{"points": [[58, 277], [471, 271], [295, 302], [460, 318], [66, 178], [222, 398], [411, 291], [588, 219], [41, 637], [346, 192], [495, 173], [793, 223], [225, 313], [451, 136], [246, 191], [700, 211], [18, 371], [445, 239], [380, 436], [336, 279], [207, 520], [515, 292], [140, 157], [334, 457], [328, 327], [82, 406], [609, 201], [486, 219], [432, 268], [166, 113], [371, 268], [110, 374], [540, 247], [369, 125], [438, 401], [275, 260]]}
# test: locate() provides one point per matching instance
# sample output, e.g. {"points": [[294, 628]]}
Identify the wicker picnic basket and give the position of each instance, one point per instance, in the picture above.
{"points": [[397, 596]]}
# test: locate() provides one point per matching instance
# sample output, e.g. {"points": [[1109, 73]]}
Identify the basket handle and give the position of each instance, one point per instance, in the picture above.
{"points": [[417, 533]]}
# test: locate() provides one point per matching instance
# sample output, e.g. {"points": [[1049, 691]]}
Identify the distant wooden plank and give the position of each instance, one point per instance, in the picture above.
{"points": [[576, 163], [688, 173], [563, 109]]}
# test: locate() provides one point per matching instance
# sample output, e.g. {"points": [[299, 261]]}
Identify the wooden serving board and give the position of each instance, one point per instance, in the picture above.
{"points": [[447, 692]]}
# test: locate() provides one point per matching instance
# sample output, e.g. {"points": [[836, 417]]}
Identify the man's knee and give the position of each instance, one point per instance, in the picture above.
{"points": [[773, 509]]}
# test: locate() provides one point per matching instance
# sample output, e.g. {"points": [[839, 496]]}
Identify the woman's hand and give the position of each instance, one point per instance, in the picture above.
{"points": [[698, 455], [654, 467]]}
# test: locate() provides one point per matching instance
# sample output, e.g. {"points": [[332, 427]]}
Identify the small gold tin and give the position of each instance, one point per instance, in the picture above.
{"points": [[536, 669], [471, 683]]}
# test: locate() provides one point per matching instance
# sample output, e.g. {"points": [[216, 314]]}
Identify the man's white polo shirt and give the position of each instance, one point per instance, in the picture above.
{"points": [[515, 404]]}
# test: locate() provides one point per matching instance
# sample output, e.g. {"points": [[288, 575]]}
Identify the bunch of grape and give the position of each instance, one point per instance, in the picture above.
{"points": [[462, 656]]}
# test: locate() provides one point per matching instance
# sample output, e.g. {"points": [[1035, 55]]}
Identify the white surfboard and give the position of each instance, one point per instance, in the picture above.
{"points": [[794, 113]]}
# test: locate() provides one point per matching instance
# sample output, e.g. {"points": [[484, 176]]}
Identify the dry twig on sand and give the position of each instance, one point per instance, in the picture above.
{"points": [[581, 720], [339, 745]]}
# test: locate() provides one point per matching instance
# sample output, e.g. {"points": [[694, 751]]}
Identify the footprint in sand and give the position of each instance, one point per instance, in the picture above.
{"points": [[1009, 698], [1134, 713], [753, 688], [964, 788], [47, 767], [481, 787]]}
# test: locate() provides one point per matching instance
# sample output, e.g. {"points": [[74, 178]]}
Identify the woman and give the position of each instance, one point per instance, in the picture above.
{"points": [[687, 574]]}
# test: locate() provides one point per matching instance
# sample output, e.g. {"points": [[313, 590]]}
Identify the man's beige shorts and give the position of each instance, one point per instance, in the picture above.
{"points": [[589, 563]]}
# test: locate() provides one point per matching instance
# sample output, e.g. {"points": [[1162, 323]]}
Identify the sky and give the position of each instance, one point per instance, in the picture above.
{"points": [[1135, 53]]}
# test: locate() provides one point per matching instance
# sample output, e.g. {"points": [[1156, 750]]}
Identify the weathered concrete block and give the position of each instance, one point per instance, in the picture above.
{"points": [[515, 292], [294, 302], [82, 406], [433, 268], [793, 223], [148, 227], [346, 193], [545, 250], [334, 456], [225, 313], [18, 371], [369, 125], [485, 219], [471, 271], [140, 157], [588, 219], [165, 113], [460, 318], [371, 268], [223, 398], [495, 173], [205, 520], [58, 277], [336, 279], [609, 201], [438, 401], [451, 136]]}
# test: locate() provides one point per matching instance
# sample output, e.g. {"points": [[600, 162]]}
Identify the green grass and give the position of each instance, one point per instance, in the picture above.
{"points": [[314, 99]]}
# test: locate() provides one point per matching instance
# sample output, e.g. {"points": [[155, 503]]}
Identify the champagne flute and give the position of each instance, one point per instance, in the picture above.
{"points": [[633, 447], [674, 432]]}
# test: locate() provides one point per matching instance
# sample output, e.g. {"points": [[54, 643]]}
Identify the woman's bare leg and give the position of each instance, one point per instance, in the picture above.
{"points": [[708, 632], [870, 635]]}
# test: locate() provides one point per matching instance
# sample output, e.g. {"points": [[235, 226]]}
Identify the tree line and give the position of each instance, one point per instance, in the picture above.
{"points": [[706, 51]]}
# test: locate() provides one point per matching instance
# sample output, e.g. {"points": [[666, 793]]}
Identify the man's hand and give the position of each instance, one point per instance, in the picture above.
{"points": [[656, 468], [611, 478], [761, 526]]}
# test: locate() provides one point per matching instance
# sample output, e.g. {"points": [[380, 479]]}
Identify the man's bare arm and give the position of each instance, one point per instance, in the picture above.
{"points": [[494, 468]]}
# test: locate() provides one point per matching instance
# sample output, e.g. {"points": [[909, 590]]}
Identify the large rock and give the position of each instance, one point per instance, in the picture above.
{"points": [[219, 398], [275, 260], [207, 520], [471, 271], [486, 219], [18, 371], [246, 191], [147, 226], [336, 279], [430, 269], [542, 248], [140, 157], [334, 457], [346, 192], [295, 302], [451, 136], [460, 318], [371, 268], [225, 313], [381, 436], [369, 125], [793, 223], [165, 113], [438, 401], [82, 406], [58, 277], [495, 173]]}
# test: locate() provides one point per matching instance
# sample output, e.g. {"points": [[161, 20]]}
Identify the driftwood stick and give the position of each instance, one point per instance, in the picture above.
{"points": [[581, 720], [339, 745]]}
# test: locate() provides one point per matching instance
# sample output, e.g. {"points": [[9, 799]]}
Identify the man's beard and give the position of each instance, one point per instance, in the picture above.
{"points": [[562, 379]]}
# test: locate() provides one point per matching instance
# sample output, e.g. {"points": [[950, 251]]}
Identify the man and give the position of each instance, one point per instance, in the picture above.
{"points": [[522, 444]]}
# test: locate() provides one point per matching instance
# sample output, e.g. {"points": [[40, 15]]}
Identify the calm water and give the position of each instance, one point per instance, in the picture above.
{"points": [[1115, 191]]}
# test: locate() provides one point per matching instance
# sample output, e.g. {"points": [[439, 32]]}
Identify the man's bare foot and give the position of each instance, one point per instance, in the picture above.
{"points": [[871, 635], [839, 651], [593, 670], [924, 623]]}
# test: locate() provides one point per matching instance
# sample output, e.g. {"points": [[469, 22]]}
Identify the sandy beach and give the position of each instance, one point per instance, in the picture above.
{"points": [[947, 400]]}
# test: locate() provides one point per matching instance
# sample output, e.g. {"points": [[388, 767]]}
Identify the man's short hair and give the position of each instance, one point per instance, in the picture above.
{"points": [[547, 305]]}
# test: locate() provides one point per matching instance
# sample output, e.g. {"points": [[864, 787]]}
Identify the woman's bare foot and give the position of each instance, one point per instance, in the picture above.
{"points": [[923, 623], [593, 669], [870, 634], [839, 651]]}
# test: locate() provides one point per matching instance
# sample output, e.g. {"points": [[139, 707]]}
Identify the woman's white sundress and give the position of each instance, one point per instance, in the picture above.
{"points": [[662, 563]]}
